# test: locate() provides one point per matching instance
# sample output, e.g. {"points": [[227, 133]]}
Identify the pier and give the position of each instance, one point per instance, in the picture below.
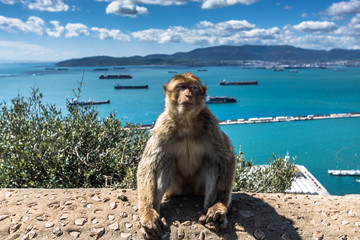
{"points": [[290, 118], [344, 172]]}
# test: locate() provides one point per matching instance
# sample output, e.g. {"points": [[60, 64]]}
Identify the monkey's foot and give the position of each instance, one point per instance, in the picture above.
{"points": [[215, 218], [152, 224]]}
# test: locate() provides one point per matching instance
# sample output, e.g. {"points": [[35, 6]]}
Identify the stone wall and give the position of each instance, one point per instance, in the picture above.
{"points": [[112, 214]]}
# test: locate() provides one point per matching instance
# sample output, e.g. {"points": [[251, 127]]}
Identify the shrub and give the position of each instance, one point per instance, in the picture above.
{"points": [[39, 147], [275, 177]]}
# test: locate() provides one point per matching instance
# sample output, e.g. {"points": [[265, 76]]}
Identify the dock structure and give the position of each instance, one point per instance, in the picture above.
{"points": [[344, 172], [306, 183], [290, 118]]}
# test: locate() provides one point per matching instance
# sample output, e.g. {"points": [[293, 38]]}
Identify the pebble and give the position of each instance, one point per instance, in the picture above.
{"points": [[2, 217], [318, 235], [111, 217], [64, 216], [258, 234], [113, 205], [57, 231], [114, 226], [80, 221], [122, 198], [97, 232], [75, 234], [246, 213], [128, 225], [13, 228], [49, 224], [30, 235], [345, 222]]}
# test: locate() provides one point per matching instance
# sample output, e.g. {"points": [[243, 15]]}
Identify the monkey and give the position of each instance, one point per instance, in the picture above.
{"points": [[187, 154]]}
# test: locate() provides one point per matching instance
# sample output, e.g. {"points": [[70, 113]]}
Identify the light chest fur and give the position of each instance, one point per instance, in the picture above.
{"points": [[189, 156]]}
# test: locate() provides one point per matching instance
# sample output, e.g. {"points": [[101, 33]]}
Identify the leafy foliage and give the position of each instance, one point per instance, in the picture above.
{"points": [[276, 177], [39, 147]]}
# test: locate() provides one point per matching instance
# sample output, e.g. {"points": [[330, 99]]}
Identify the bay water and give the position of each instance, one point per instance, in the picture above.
{"points": [[320, 145]]}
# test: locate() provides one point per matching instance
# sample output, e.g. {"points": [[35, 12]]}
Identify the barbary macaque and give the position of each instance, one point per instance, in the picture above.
{"points": [[187, 154]]}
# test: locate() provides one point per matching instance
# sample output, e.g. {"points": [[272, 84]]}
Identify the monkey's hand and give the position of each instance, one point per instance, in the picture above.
{"points": [[215, 218], [152, 224]]}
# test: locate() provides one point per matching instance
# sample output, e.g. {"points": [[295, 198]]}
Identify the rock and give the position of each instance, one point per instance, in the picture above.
{"points": [[97, 232], [128, 225], [345, 222], [25, 218], [246, 213], [43, 217], [258, 234], [96, 198], [122, 198], [113, 205], [9, 194], [123, 214], [95, 221], [111, 217], [49, 224], [75, 234], [67, 203], [2, 217], [57, 231], [64, 216], [89, 205], [80, 221], [318, 235], [14, 227], [30, 235], [343, 237], [114, 226]]}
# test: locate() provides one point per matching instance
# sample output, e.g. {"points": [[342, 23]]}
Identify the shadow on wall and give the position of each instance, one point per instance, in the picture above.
{"points": [[248, 218]]}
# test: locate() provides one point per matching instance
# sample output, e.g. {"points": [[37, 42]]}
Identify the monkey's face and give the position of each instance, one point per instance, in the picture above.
{"points": [[185, 93]]}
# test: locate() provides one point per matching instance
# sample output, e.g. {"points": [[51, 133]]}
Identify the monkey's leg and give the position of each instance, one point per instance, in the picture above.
{"points": [[217, 195]]}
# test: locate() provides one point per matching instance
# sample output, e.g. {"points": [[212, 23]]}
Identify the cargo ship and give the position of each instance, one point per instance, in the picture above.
{"points": [[75, 101], [117, 86], [115, 76], [217, 99], [224, 83]]}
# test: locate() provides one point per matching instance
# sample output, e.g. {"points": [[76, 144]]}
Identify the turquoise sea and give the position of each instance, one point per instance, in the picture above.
{"points": [[319, 144]]}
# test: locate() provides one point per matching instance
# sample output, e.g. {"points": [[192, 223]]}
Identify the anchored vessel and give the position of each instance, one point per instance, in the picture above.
{"points": [[217, 99], [115, 76], [117, 86], [223, 82], [89, 102]]}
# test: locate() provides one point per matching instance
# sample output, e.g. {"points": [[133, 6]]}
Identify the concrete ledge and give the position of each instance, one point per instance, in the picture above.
{"points": [[112, 214]]}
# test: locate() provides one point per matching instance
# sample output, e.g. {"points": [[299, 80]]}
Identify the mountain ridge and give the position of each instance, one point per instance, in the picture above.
{"points": [[221, 55]]}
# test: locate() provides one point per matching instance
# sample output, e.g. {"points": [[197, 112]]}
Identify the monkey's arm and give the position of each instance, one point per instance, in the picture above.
{"points": [[148, 190]]}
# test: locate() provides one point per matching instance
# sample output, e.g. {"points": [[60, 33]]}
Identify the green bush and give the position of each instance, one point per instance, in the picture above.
{"points": [[39, 147], [275, 177]]}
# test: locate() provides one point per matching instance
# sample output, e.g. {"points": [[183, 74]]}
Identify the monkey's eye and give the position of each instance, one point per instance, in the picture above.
{"points": [[193, 88], [181, 87]]}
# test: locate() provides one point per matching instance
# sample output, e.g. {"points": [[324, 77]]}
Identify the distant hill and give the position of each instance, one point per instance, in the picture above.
{"points": [[221, 55]]}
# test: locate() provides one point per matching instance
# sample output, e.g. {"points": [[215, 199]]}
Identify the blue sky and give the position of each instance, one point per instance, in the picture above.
{"points": [[53, 30]]}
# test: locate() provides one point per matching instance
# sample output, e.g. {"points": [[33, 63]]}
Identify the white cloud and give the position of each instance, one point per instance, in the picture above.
{"points": [[210, 4], [316, 27], [76, 29], [207, 33], [344, 8], [11, 2], [128, 10], [110, 34], [57, 30], [132, 8], [33, 24], [48, 5]]}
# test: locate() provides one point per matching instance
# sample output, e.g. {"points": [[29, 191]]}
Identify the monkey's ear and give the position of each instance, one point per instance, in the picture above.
{"points": [[205, 89], [165, 88]]}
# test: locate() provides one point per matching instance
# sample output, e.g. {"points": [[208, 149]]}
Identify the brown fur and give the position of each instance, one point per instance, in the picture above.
{"points": [[187, 153]]}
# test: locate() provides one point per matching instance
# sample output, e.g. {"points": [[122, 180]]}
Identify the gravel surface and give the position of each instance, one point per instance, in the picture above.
{"points": [[113, 214]]}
